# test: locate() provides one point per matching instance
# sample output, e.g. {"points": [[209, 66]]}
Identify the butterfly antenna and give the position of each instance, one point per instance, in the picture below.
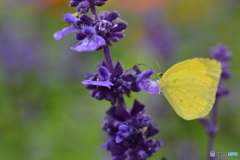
{"points": [[158, 65], [145, 65]]}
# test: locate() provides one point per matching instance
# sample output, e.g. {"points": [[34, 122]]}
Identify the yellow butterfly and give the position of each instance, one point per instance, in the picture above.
{"points": [[190, 86]]}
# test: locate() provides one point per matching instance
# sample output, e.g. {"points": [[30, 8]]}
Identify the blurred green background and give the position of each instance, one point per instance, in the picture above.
{"points": [[45, 112]]}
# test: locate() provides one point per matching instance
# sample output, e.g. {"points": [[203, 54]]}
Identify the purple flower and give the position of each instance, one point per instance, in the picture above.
{"points": [[110, 26], [104, 85], [124, 132], [130, 132], [163, 39], [83, 6], [19, 55], [91, 42], [103, 81], [93, 32], [71, 19], [222, 54], [145, 83]]}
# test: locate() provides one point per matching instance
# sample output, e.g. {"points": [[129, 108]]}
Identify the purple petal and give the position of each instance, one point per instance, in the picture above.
{"points": [[87, 19], [120, 27], [118, 139], [151, 86], [89, 44], [117, 150], [98, 83], [123, 128], [204, 121], [145, 74], [105, 145], [102, 14], [103, 73], [153, 145], [112, 16], [146, 121], [73, 3], [59, 34], [109, 96], [118, 69], [120, 157], [152, 130], [137, 107], [99, 95], [119, 34], [70, 18], [83, 7], [118, 113], [221, 53], [88, 31]]}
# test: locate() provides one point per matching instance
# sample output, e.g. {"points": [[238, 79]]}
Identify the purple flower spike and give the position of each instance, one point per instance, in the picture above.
{"points": [[91, 42], [222, 54], [130, 132]]}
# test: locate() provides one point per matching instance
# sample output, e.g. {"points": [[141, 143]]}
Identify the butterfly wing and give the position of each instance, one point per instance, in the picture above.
{"points": [[206, 69], [190, 86]]}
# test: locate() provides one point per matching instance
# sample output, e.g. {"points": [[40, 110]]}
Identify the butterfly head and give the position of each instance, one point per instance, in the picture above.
{"points": [[160, 74]]}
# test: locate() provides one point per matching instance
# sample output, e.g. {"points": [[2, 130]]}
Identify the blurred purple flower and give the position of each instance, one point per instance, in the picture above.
{"points": [[222, 54], [160, 37], [19, 55], [130, 132]]}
